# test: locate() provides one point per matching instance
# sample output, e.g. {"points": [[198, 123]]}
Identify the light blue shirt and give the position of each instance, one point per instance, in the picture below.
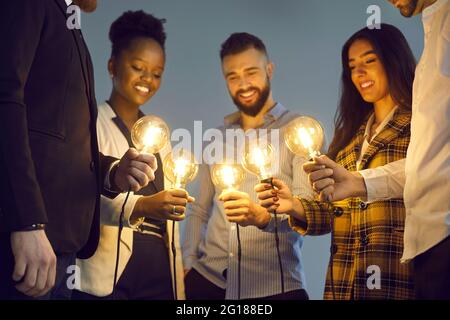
{"points": [[210, 242]]}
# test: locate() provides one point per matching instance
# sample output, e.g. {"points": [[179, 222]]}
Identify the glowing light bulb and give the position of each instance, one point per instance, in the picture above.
{"points": [[150, 134], [227, 176], [304, 137], [180, 168], [258, 159]]}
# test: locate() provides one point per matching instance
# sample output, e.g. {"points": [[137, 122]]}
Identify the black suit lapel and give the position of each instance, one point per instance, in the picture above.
{"points": [[83, 55]]}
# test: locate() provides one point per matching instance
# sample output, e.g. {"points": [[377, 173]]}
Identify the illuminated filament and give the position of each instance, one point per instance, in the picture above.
{"points": [[152, 137], [306, 139], [180, 171], [258, 160], [228, 177]]}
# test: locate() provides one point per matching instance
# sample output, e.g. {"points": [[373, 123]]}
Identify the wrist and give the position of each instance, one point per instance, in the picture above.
{"points": [[31, 227], [138, 210], [359, 186], [112, 178], [298, 211], [264, 218]]}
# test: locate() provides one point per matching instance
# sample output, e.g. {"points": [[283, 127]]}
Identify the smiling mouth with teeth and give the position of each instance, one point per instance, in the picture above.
{"points": [[142, 89], [247, 94], [367, 84]]}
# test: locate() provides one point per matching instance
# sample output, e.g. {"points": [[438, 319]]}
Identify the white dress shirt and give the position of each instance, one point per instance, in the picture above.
{"points": [[367, 141], [425, 173]]}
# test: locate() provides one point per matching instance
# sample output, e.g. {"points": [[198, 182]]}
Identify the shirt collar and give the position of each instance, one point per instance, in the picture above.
{"points": [[112, 114], [275, 113], [383, 123], [431, 10], [68, 2]]}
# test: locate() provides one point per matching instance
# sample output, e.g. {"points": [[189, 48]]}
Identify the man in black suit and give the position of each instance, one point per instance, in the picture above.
{"points": [[52, 174]]}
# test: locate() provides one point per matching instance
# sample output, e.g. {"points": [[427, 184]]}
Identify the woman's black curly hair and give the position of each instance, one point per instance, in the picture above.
{"points": [[135, 24]]}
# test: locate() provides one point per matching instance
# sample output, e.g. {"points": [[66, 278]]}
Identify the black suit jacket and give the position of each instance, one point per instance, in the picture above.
{"points": [[52, 171]]}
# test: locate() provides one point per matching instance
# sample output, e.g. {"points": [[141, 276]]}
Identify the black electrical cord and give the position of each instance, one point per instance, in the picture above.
{"points": [[118, 240], [333, 291], [277, 243], [174, 254], [239, 260], [277, 239]]}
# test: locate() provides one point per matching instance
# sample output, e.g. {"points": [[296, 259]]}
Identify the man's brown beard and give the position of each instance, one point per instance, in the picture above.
{"points": [[408, 10], [86, 5]]}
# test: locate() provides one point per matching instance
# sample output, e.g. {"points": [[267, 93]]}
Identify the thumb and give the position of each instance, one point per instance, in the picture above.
{"points": [[131, 154], [279, 184], [324, 160]]}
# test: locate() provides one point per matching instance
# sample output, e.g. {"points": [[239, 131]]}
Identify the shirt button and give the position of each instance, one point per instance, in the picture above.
{"points": [[363, 205], [338, 211], [92, 166], [231, 255], [364, 240], [233, 227]]}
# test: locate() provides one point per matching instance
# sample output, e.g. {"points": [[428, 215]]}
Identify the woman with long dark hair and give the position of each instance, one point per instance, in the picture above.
{"points": [[372, 129]]}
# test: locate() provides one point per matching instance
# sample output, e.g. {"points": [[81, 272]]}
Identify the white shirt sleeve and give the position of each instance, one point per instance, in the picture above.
{"points": [[110, 210], [107, 182], [385, 182]]}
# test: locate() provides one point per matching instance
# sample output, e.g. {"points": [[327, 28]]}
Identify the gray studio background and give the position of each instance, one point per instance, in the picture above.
{"points": [[303, 37]]}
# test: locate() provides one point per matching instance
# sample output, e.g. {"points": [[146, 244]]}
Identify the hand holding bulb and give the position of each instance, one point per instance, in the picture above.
{"points": [[168, 204], [238, 206], [277, 196], [134, 171], [332, 181], [304, 137], [179, 168], [137, 167]]}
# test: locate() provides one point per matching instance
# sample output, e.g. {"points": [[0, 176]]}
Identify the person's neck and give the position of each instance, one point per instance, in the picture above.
{"points": [[382, 108], [127, 112], [248, 122]]}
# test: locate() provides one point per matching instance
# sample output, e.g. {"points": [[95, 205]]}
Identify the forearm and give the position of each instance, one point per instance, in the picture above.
{"points": [[298, 211], [385, 182]]}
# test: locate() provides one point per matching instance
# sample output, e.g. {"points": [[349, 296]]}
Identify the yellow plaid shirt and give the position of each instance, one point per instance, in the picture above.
{"points": [[366, 235]]}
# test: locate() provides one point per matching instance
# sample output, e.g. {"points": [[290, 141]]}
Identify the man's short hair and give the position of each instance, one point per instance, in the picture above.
{"points": [[239, 42]]}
